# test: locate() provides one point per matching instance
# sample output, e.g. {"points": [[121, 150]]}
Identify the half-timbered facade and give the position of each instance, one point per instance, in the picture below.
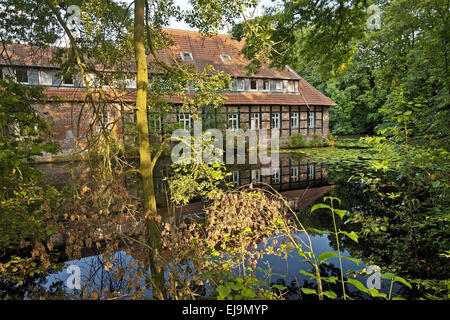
{"points": [[267, 100]]}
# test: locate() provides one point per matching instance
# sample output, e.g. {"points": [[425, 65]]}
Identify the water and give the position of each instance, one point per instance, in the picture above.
{"points": [[302, 182]]}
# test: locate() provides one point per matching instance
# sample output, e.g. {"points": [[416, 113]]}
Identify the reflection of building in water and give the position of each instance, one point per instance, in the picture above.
{"points": [[290, 175]]}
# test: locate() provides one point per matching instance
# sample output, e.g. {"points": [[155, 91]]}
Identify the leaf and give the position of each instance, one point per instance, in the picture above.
{"points": [[376, 294], [352, 235], [223, 291], [330, 279], [330, 294], [326, 255], [403, 281], [320, 206], [308, 291], [341, 213], [358, 285], [317, 230], [312, 276], [279, 287], [387, 275], [357, 261]]}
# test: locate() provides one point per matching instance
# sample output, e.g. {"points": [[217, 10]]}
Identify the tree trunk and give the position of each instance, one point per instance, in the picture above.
{"points": [[145, 166]]}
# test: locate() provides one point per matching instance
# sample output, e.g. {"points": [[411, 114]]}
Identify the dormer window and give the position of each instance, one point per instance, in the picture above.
{"points": [[239, 84], [225, 58], [187, 56], [22, 75], [253, 84]]}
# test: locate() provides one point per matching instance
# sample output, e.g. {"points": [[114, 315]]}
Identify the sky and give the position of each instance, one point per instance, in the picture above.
{"points": [[185, 5]]}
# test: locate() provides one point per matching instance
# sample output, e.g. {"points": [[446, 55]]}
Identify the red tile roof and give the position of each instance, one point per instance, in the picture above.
{"points": [[205, 51], [311, 95]]}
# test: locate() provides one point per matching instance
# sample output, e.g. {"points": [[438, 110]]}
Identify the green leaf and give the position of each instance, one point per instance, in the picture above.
{"points": [[317, 230], [279, 287], [326, 255], [357, 261], [403, 281], [320, 206], [312, 276], [358, 285], [376, 294], [308, 291], [341, 213], [352, 235], [387, 275], [223, 291], [330, 279], [330, 294]]}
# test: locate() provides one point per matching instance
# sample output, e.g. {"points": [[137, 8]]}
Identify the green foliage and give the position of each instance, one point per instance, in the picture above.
{"points": [[24, 200], [410, 51], [298, 141]]}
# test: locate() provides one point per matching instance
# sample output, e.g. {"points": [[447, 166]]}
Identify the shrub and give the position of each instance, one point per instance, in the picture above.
{"points": [[298, 141]]}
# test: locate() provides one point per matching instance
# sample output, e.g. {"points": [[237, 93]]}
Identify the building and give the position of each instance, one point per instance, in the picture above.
{"points": [[269, 99]]}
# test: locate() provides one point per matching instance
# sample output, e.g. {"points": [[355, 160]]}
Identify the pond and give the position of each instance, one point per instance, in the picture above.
{"points": [[304, 177]]}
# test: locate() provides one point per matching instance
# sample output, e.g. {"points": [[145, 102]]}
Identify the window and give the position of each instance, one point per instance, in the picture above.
{"points": [[294, 174], [45, 78], [22, 75], [254, 121], [276, 175], [311, 171], [154, 123], [186, 56], [266, 85], [185, 119], [256, 175], [296, 86], [233, 120], [239, 84], [225, 58], [253, 84], [275, 121], [236, 178], [294, 120], [278, 85], [312, 120], [67, 80]]}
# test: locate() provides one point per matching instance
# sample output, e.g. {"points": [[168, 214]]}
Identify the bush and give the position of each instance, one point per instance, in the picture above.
{"points": [[298, 141]]}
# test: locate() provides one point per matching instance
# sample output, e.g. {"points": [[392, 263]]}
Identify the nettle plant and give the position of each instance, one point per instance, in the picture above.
{"points": [[323, 257]]}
